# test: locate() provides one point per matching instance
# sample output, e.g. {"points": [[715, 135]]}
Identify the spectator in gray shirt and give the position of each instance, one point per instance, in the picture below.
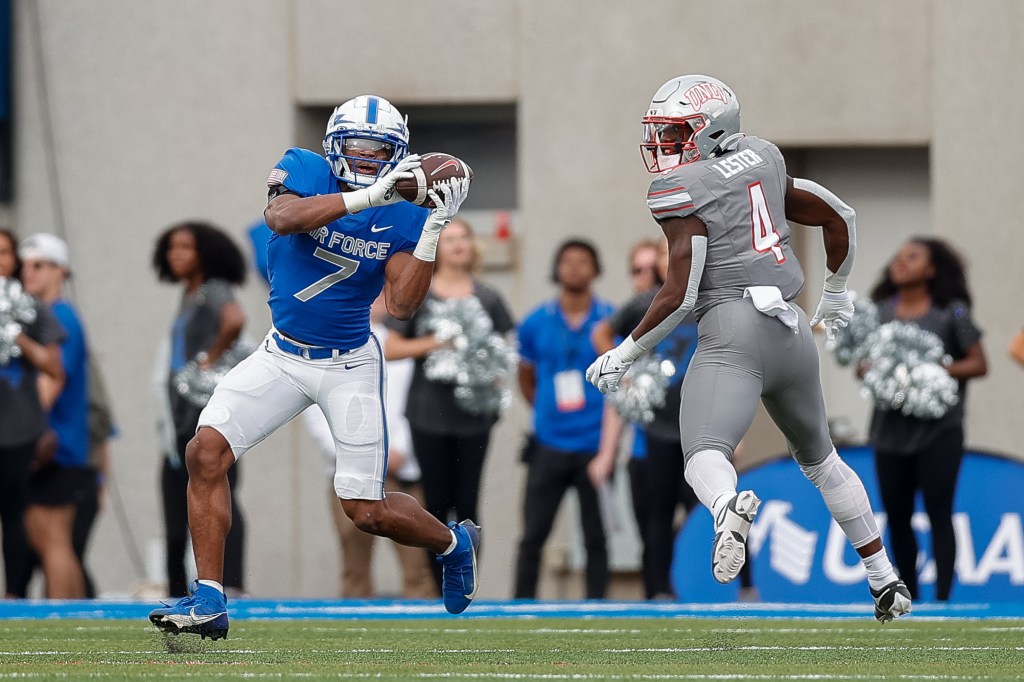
{"points": [[449, 442], [205, 261], [23, 423]]}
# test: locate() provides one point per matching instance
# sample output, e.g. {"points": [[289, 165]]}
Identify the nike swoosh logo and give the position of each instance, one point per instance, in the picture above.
{"points": [[604, 371], [380, 229], [361, 364], [192, 618], [446, 164]]}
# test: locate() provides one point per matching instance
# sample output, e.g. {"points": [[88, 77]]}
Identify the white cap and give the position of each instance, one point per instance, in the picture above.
{"points": [[45, 247]]}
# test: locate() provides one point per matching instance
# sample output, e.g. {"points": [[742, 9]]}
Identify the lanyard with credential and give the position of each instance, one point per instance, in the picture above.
{"points": [[570, 394]]}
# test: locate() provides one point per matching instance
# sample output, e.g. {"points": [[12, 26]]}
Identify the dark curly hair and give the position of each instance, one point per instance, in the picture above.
{"points": [[950, 280], [574, 243], [219, 258], [13, 238]]}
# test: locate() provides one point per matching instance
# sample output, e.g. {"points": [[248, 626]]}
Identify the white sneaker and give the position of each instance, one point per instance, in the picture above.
{"points": [[732, 523], [892, 601]]}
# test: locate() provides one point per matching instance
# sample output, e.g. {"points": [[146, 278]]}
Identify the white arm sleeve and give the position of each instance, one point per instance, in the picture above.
{"points": [[835, 281], [699, 245]]}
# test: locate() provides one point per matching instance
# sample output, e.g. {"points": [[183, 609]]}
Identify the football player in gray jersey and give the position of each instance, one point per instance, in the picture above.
{"points": [[722, 200]]}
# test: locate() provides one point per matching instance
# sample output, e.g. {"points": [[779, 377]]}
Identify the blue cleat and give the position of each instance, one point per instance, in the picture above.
{"points": [[203, 612], [459, 584]]}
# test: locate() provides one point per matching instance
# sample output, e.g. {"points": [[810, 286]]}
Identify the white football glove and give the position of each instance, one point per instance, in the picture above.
{"points": [[453, 193], [382, 192], [606, 372], [835, 310], [447, 196]]}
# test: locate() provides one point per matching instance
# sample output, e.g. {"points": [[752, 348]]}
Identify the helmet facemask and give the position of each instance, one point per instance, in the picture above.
{"points": [[670, 141], [358, 158]]}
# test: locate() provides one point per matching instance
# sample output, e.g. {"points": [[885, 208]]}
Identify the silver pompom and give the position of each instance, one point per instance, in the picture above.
{"points": [[850, 342], [477, 360], [196, 384], [905, 371], [642, 389], [17, 309]]}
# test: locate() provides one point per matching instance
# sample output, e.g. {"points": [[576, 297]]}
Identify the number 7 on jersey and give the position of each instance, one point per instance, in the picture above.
{"points": [[347, 267]]}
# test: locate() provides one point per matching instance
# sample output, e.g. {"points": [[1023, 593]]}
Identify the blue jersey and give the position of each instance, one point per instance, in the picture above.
{"points": [[323, 282], [69, 417], [553, 347]]}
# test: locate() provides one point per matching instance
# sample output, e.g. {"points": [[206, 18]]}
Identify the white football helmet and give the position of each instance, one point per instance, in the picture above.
{"points": [[366, 137], [690, 118]]}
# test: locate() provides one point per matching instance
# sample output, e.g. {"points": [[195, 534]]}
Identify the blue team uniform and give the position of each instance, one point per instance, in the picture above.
{"points": [[69, 416], [322, 283]]}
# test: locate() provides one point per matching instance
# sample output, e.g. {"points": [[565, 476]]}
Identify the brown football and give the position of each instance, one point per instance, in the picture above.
{"points": [[434, 167]]}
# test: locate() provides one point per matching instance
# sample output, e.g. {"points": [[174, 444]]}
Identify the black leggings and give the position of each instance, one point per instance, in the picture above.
{"points": [[451, 469], [18, 556], [664, 490], [174, 486], [933, 470], [658, 488], [87, 507]]}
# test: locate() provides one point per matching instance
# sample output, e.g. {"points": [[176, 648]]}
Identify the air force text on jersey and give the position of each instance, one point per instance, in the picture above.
{"points": [[353, 246]]}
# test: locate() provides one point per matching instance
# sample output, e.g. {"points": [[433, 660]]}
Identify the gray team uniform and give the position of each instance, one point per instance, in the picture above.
{"points": [[744, 354]]}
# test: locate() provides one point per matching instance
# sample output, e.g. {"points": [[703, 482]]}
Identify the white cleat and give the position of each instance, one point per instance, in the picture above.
{"points": [[892, 601], [732, 524]]}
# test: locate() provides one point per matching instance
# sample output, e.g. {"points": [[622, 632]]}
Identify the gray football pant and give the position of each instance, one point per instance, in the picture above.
{"points": [[744, 356]]}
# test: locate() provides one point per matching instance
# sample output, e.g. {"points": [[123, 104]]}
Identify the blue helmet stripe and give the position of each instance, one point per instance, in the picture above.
{"points": [[371, 109]]}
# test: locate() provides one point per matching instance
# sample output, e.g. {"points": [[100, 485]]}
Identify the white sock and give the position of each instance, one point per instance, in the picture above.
{"points": [[712, 477], [214, 584], [451, 547], [879, 569]]}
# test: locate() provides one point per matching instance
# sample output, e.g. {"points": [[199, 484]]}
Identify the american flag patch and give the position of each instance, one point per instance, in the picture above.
{"points": [[277, 177]]}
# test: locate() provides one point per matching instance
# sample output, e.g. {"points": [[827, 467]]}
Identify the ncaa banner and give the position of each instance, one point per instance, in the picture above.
{"points": [[800, 554]]}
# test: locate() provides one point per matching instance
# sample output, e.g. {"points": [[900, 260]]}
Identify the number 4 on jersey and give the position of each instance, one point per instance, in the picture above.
{"points": [[765, 236]]}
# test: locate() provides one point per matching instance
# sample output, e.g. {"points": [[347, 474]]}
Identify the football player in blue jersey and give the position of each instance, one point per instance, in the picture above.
{"points": [[341, 235]]}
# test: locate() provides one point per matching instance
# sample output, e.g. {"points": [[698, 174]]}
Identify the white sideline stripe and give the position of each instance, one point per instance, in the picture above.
{"points": [[587, 631], [760, 631], [704, 649], [117, 653], [524, 676], [518, 676]]}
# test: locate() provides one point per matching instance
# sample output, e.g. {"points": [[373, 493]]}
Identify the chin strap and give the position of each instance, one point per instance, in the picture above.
{"points": [[727, 145]]}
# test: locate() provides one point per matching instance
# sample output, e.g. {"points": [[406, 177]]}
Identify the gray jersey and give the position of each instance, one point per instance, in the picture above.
{"points": [[740, 197]]}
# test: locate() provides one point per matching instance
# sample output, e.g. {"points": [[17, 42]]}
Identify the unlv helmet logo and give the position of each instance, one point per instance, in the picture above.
{"points": [[702, 93]]}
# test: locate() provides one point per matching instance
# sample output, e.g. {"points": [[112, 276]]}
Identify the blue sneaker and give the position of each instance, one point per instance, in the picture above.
{"points": [[459, 584], [203, 612]]}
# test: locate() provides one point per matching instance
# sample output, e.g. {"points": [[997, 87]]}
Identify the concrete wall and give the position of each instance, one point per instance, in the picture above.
{"points": [[171, 109]]}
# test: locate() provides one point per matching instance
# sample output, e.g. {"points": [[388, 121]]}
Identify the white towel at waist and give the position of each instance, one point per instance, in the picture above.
{"points": [[769, 301]]}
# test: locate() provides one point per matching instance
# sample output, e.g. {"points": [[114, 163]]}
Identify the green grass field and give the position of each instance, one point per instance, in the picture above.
{"points": [[542, 649]]}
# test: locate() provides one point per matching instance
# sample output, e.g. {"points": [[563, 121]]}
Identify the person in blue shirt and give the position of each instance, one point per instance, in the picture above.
{"points": [[555, 350], [342, 234], [64, 476]]}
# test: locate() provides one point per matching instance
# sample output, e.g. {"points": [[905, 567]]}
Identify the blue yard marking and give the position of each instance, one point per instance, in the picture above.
{"points": [[253, 609]]}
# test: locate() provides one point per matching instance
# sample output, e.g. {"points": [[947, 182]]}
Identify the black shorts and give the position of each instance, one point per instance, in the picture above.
{"points": [[55, 485]]}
